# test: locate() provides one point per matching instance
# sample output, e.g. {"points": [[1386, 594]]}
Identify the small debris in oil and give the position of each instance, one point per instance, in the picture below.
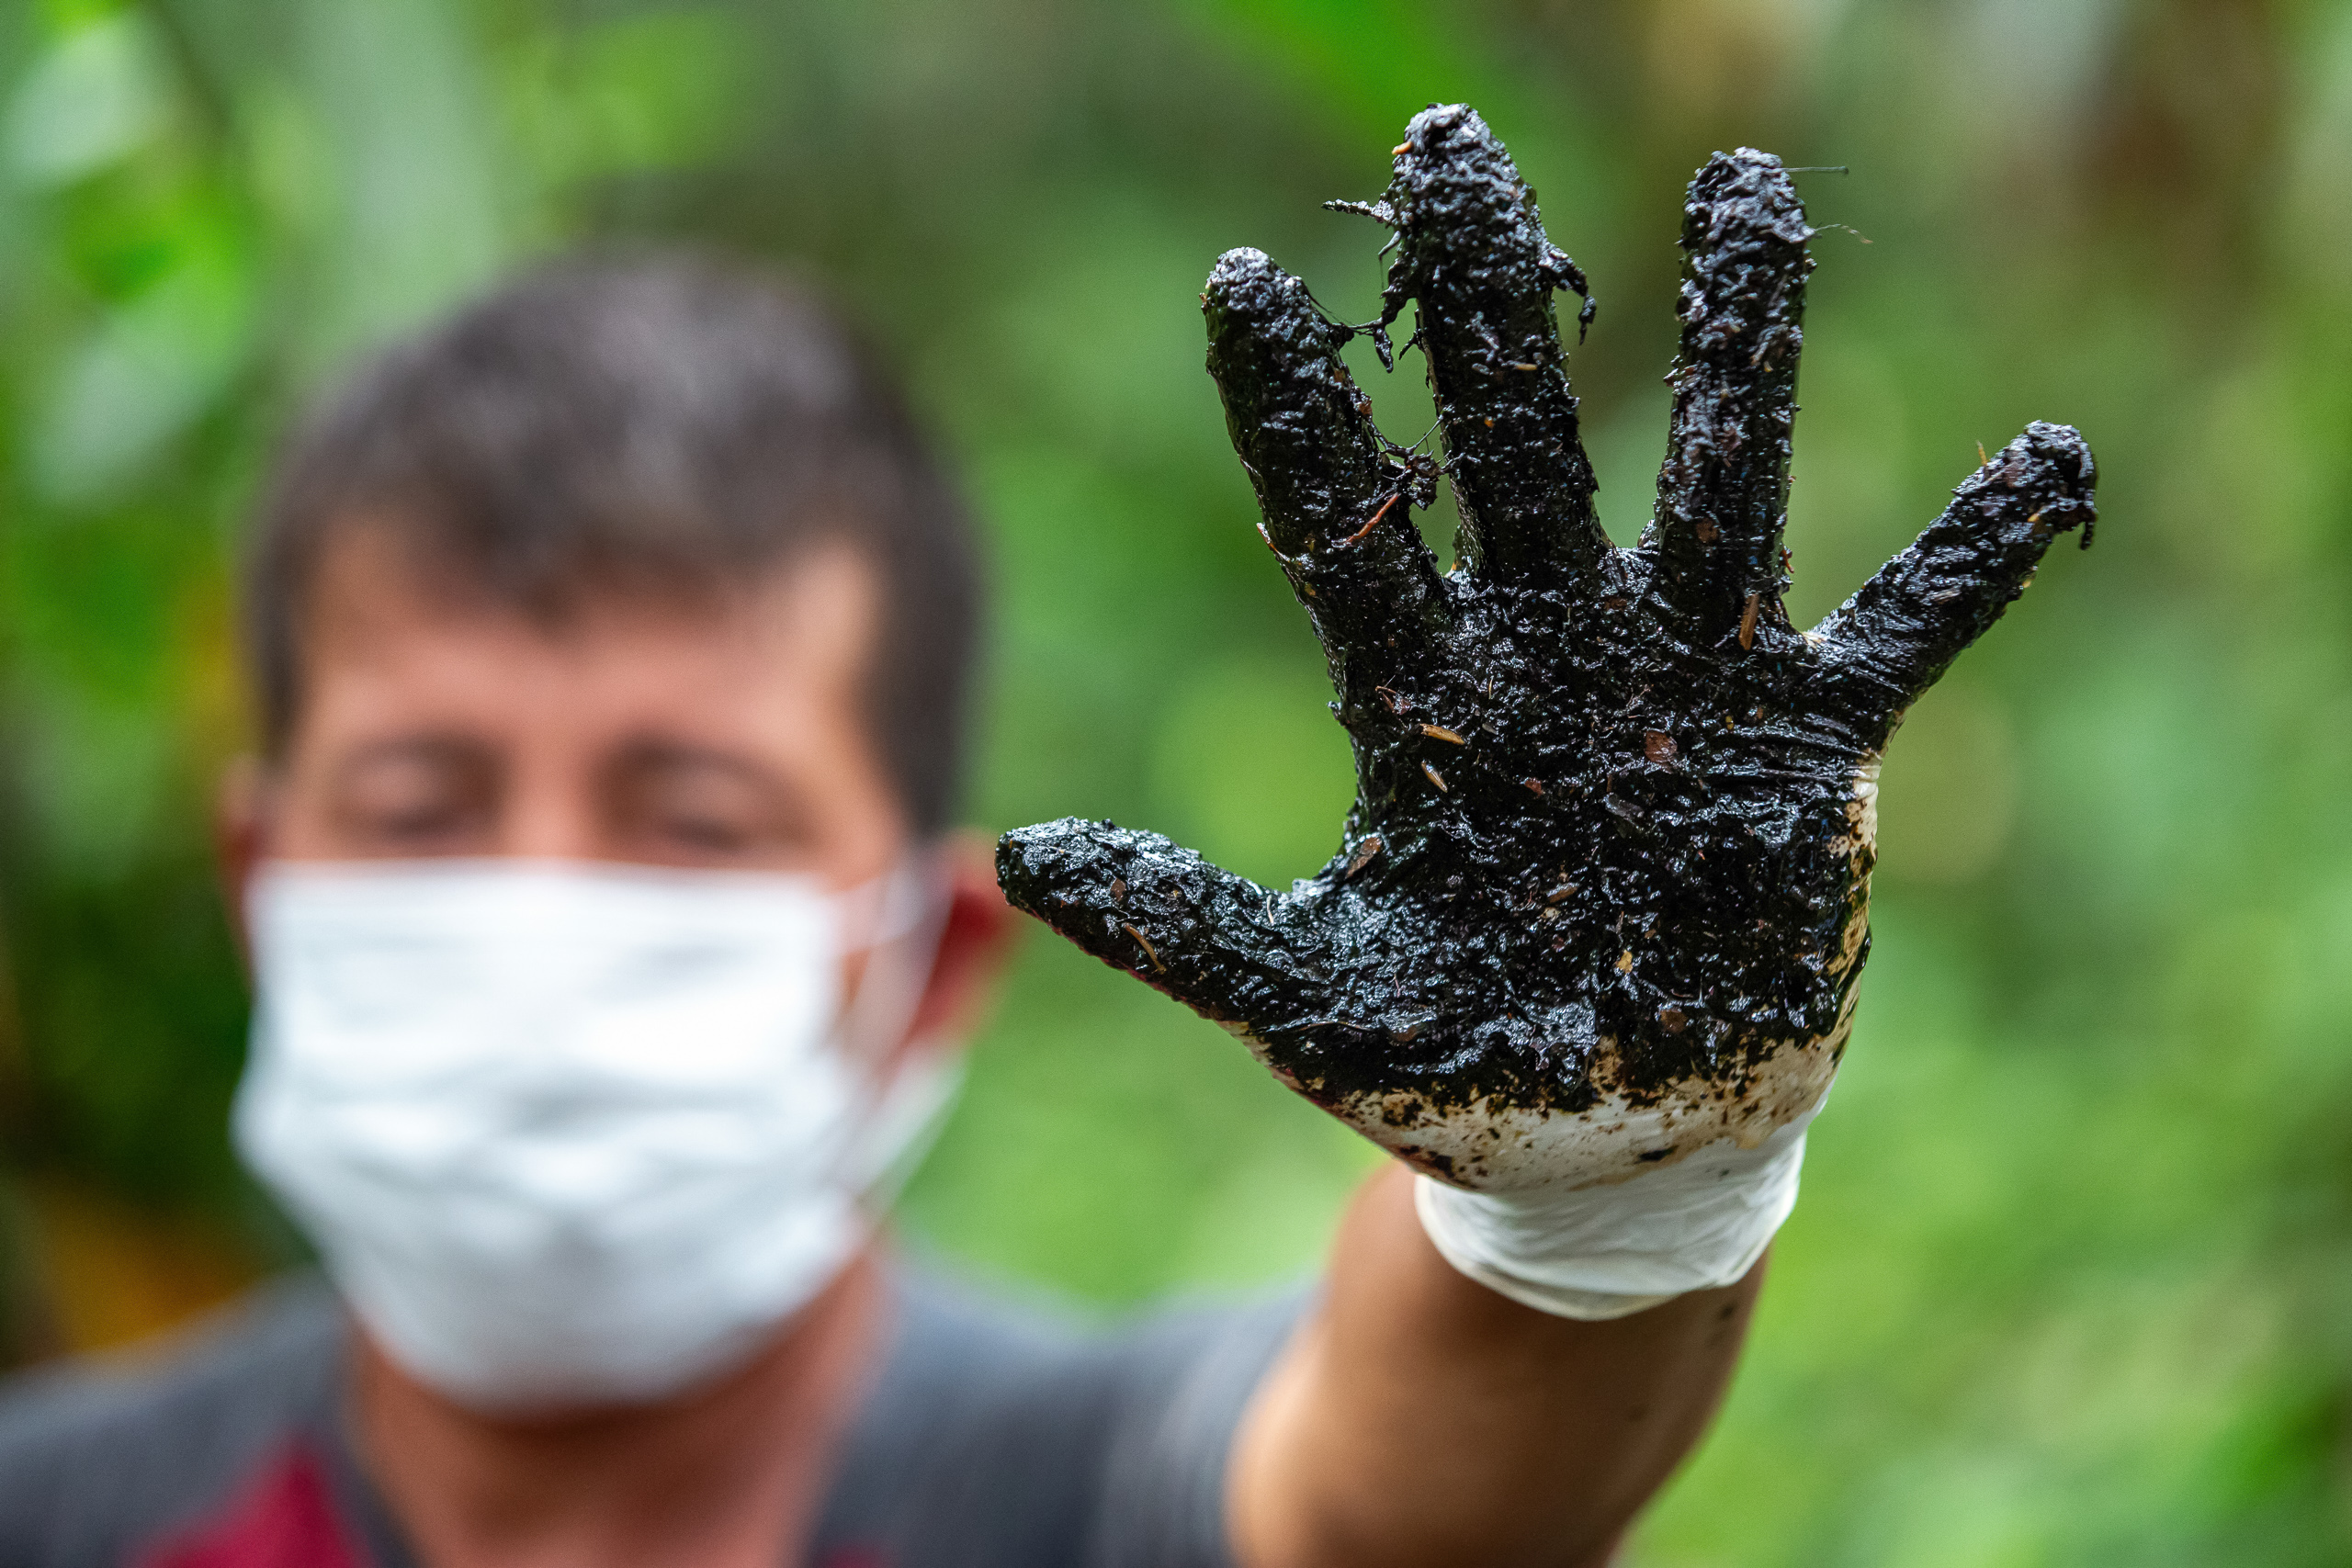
{"points": [[1145, 943]]}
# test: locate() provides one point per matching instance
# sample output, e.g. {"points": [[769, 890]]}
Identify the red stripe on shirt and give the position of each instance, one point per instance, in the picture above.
{"points": [[285, 1519]]}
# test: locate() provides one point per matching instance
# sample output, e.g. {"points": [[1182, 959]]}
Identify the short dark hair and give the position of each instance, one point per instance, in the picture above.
{"points": [[654, 425]]}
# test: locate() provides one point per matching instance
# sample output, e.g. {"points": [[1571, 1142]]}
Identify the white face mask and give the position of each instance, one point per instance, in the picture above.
{"points": [[571, 1135]]}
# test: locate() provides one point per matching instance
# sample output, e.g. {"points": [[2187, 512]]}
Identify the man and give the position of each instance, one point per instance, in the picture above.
{"points": [[611, 643]]}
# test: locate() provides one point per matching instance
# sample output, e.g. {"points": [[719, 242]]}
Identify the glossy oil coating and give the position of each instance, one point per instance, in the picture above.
{"points": [[1611, 845]]}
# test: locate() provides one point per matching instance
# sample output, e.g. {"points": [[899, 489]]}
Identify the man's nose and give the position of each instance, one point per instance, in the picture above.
{"points": [[551, 812]]}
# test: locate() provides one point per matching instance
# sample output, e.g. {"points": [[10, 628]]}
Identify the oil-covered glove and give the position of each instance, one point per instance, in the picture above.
{"points": [[1587, 954]]}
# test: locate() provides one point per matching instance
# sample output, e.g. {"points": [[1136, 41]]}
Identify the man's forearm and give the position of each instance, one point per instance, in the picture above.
{"points": [[1419, 1418]]}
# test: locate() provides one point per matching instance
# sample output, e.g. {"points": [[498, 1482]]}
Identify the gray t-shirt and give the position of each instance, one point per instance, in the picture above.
{"points": [[991, 1438]]}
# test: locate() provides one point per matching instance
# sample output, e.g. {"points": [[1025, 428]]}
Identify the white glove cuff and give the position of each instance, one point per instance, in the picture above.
{"points": [[1610, 1251]]}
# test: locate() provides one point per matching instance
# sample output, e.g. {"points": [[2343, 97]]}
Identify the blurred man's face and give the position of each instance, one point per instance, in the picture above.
{"points": [[729, 735], [726, 736]]}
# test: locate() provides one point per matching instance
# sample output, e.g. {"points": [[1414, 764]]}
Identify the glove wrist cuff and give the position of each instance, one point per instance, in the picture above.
{"points": [[1609, 1251]]}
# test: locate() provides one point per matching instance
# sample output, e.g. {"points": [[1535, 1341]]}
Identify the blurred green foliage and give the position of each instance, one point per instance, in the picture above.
{"points": [[2073, 1282]]}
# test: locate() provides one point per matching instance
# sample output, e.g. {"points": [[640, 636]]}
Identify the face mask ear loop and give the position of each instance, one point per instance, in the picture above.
{"points": [[911, 919], [905, 1125], [902, 1111]]}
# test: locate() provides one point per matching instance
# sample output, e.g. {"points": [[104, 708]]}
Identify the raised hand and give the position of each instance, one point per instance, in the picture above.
{"points": [[1602, 897]]}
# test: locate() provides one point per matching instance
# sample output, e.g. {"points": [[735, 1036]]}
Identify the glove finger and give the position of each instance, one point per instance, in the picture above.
{"points": [[1722, 493], [1234, 952], [1333, 510], [1472, 250], [1897, 635]]}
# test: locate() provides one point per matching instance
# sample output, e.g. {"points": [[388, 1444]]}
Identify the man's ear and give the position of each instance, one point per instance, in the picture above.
{"points": [[975, 941], [241, 835]]}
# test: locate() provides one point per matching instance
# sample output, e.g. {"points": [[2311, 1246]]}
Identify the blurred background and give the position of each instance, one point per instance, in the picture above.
{"points": [[2072, 1280]]}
